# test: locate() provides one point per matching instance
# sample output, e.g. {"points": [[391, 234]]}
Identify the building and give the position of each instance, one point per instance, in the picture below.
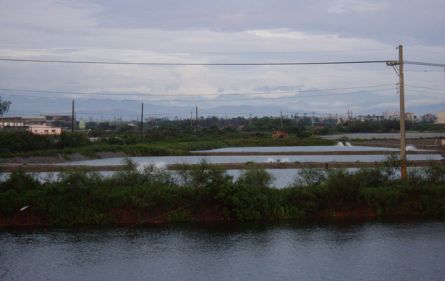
{"points": [[429, 118], [34, 120], [64, 121], [370, 117], [441, 117], [391, 115], [280, 134], [44, 130], [82, 125], [409, 116], [11, 122]]}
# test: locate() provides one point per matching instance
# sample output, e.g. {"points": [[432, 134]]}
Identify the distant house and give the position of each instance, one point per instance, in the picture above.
{"points": [[34, 120], [429, 118], [11, 122], [64, 121], [280, 134], [410, 116], [441, 117], [44, 130]]}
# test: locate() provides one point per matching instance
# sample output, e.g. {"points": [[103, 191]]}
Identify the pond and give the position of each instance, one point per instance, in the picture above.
{"points": [[163, 161], [396, 251]]}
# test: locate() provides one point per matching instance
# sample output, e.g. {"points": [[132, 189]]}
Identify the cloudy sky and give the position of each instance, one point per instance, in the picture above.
{"points": [[199, 31]]}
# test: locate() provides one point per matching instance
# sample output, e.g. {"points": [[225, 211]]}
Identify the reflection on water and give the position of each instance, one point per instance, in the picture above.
{"points": [[373, 251], [409, 135], [346, 146], [281, 177], [162, 161]]}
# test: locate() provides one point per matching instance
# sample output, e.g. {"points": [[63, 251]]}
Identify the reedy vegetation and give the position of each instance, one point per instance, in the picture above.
{"points": [[82, 197]]}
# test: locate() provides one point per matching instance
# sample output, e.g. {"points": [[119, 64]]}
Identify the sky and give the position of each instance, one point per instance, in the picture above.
{"points": [[198, 31]]}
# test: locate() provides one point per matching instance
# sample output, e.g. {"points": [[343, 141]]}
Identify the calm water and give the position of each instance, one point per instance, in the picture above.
{"points": [[409, 135], [281, 177], [162, 161], [299, 148], [374, 251]]}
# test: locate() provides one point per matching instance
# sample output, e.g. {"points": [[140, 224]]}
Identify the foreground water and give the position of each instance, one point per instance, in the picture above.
{"points": [[372, 251]]}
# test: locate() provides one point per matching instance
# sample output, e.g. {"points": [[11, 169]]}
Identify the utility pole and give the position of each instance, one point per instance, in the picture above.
{"points": [[72, 117], [196, 117], [142, 119], [400, 73], [402, 114], [191, 121], [313, 121]]}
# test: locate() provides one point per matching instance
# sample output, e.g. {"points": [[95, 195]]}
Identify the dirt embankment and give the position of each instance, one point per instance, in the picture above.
{"points": [[60, 158], [128, 216], [429, 144]]}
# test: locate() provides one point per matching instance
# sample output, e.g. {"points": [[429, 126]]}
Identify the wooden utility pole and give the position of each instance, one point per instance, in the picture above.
{"points": [[313, 121], [399, 72], [402, 114], [142, 119], [191, 121], [196, 117], [72, 117]]}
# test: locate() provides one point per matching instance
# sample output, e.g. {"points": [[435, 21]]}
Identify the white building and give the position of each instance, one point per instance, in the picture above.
{"points": [[11, 122], [441, 117], [44, 130]]}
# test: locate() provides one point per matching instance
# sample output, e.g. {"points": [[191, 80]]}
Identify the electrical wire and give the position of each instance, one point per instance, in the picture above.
{"points": [[194, 63]]}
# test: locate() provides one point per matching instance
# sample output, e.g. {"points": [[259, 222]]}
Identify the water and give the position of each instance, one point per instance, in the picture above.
{"points": [[281, 177], [163, 161], [363, 136], [372, 251], [343, 147]]}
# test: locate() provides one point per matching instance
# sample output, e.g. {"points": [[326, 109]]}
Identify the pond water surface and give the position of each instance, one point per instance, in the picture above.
{"points": [[400, 251]]}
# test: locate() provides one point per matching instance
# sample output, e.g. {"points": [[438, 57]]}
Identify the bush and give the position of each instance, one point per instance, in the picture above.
{"points": [[20, 181], [434, 173], [255, 178], [205, 175], [247, 199], [74, 139], [82, 197], [309, 176]]}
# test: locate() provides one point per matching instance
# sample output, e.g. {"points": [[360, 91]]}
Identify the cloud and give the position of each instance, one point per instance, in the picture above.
{"points": [[79, 31], [357, 6], [50, 15]]}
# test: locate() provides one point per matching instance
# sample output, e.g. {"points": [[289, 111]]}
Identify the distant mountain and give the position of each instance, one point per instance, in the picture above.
{"points": [[108, 109]]}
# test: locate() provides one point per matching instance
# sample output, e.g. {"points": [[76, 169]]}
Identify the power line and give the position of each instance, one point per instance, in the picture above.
{"points": [[194, 64], [425, 63], [427, 88]]}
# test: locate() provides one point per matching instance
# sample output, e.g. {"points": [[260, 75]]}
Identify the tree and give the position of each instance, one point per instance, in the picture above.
{"points": [[4, 106]]}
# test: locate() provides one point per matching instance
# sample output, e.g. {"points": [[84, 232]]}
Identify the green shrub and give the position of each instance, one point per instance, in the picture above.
{"points": [[309, 176]]}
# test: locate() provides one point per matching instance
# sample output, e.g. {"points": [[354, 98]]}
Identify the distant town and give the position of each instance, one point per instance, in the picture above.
{"points": [[55, 124]]}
